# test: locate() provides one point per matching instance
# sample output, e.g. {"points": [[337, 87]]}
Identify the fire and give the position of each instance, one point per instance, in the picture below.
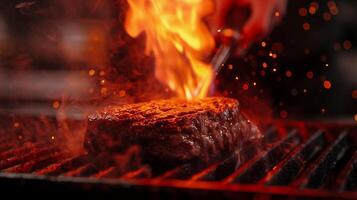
{"points": [[179, 39]]}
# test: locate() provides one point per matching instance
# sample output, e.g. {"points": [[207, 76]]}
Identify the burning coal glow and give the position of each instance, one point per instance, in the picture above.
{"points": [[179, 39]]}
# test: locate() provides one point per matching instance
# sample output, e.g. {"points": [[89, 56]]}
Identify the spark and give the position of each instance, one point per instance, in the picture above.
{"points": [[265, 65], [302, 12], [16, 124], [122, 93], [310, 75], [262, 73], [327, 84], [347, 45], [56, 104], [91, 72], [306, 26], [312, 10], [245, 86], [264, 44], [104, 91], [354, 94]]}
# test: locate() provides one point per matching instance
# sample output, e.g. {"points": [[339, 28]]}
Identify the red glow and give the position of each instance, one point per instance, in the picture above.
{"points": [[327, 84], [306, 26], [354, 94], [284, 114], [310, 75], [303, 12], [347, 45], [245, 86]]}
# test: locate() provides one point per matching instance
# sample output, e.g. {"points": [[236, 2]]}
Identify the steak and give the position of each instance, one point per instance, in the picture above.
{"points": [[172, 131]]}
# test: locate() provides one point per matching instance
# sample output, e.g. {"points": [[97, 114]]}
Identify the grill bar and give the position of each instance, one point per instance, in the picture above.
{"points": [[254, 170], [306, 161], [348, 178], [317, 174], [64, 166], [223, 169], [16, 160], [292, 166]]}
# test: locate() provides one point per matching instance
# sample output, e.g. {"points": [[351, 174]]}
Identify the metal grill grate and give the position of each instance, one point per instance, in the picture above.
{"points": [[295, 160]]}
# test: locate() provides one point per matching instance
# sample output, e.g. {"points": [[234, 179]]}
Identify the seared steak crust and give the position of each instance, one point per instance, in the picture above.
{"points": [[172, 131]]}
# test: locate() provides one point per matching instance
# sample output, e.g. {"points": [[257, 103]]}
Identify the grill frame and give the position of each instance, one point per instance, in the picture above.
{"points": [[189, 189], [151, 189]]}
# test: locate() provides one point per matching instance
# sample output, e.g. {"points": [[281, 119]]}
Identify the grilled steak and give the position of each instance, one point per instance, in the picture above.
{"points": [[172, 131]]}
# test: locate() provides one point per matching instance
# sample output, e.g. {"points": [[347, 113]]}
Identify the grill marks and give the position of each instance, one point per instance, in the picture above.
{"points": [[318, 161]]}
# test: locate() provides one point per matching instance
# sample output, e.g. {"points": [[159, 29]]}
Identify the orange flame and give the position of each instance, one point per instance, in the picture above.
{"points": [[179, 39]]}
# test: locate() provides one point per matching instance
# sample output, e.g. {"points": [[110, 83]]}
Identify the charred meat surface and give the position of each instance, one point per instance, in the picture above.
{"points": [[172, 131]]}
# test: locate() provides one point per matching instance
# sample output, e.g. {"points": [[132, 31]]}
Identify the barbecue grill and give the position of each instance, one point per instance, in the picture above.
{"points": [[296, 160], [60, 60]]}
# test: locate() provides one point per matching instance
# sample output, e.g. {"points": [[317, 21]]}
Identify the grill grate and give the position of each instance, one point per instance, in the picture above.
{"points": [[295, 159]]}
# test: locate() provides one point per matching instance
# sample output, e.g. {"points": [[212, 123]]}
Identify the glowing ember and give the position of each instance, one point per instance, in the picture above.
{"points": [[264, 44], [303, 12], [91, 72], [122, 93], [310, 75], [265, 65], [246, 86], [347, 45], [56, 104], [327, 84], [179, 39], [354, 94], [306, 26], [16, 124]]}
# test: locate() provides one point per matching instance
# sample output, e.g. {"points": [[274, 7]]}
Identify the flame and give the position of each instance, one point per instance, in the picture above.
{"points": [[179, 39]]}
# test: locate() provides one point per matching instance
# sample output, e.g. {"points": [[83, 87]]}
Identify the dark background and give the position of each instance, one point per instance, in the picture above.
{"points": [[41, 38], [327, 49]]}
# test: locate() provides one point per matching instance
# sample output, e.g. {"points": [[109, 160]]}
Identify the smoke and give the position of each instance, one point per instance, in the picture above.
{"points": [[64, 59]]}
